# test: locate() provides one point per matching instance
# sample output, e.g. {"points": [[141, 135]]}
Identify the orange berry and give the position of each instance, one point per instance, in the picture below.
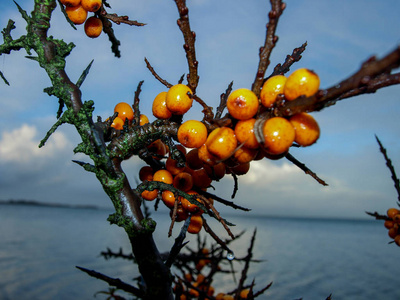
{"points": [[168, 198], [192, 159], [159, 108], [271, 89], [397, 240], [306, 129], [219, 296], [146, 173], [158, 148], [93, 27], [206, 157], [172, 167], [192, 134], [388, 224], [244, 131], [118, 123], [179, 99], [70, 2], [393, 232], [77, 14], [240, 169], [201, 178], [221, 142], [149, 195], [215, 172], [396, 218], [181, 214], [196, 223], [163, 176], [91, 5], [244, 293], [242, 104], [244, 155], [391, 212], [124, 111], [183, 181], [143, 120], [278, 135], [187, 205], [301, 82]]}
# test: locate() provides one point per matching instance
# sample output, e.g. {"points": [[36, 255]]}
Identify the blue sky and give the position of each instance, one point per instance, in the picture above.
{"points": [[229, 33]]}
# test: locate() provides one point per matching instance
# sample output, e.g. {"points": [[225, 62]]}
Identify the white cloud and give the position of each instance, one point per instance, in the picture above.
{"points": [[21, 145]]}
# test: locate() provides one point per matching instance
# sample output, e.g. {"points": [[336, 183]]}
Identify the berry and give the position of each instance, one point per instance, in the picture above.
{"points": [[397, 240], [196, 223], [93, 27], [179, 99], [146, 173], [192, 134], [158, 149], [77, 14], [143, 120], [187, 205], [172, 166], [306, 129], [301, 82], [271, 89], [149, 195], [242, 104], [206, 157], [244, 155], [201, 178], [244, 131], [163, 176], [124, 111], [117, 123], [183, 181], [168, 198], [278, 135], [70, 2], [159, 107], [91, 5], [221, 142], [192, 159], [391, 212]]}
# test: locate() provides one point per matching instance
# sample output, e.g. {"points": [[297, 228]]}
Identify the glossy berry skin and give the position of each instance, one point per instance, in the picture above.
{"points": [[242, 104], [143, 120], [301, 82], [118, 123], [196, 223], [168, 198], [77, 14], [93, 27], [124, 111], [163, 176], [159, 107], [244, 155], [271, 89], [70, 2], [278, 135], [179, 99], [244, 131], [192, 134], [221, 142], [306, 129], [206, 157], [91, 5], [187, 205]]}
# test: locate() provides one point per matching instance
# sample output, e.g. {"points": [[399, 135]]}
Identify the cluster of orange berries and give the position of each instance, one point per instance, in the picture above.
{"points": [[77, 11], [392, 224]]}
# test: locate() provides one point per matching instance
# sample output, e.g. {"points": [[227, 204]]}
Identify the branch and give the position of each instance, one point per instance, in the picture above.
{"points": [[277, 7], [163, 81], [289, 61], [305, 169]]}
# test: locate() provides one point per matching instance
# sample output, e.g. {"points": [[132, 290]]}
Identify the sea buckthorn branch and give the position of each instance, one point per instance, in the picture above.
{"points": [[151, 69], [223, 201], [277, 7], [189, 46], [222, 103], [304, 168], [136, 101], [354, 85]]}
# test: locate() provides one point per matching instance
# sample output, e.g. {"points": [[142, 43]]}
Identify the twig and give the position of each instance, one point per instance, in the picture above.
{"points": [[305, 169], [178, 245], [136, 103], [222, 103], [151, 69], [289, 61], [208, 229]]}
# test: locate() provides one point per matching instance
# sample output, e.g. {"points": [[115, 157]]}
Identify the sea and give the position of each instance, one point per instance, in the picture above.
{"points": [[304, 258]]}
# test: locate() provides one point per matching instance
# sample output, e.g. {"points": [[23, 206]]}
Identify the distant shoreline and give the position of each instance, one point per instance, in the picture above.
{"points": [[37, 203]]}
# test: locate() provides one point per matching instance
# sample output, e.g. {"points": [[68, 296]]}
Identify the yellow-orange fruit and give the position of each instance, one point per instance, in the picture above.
{"points": [[242, 104], [77, 14], [118, 123], [149, 195], [206, 157], [124, 111], [196, 223], [168, 198], [388, 224], [221, 142], [158, 148], [172, 166], [271, 89], [179, 99], [244, 293], [393, 232], [192, 134], [159, 107], [244, 131], [187, 205], [93, 27], [91, 5], [244, 155], [163, 176], [143, 120], [306, 129], [70, 2], [391, 212], [278, 135], [301, 82]]}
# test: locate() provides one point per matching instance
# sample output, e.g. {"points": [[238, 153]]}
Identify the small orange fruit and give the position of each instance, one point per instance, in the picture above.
{"points": [[179, 99], [159, 107], [146, 173], [388, 224], [244, 131], [183, 181], [163, 176], [306, 129], [393, 232], [168, 198], [244, 293], [93, 27], [143, 120], [187, 205], [192, 159], [70, 2], [158, 148], [201, 178], [242, 104], [301, 82], [192, 134], [149, 195], [397, 240], [77, 14], [241, 169], [278, 135], [271, 89], [244, 155], [117, 123], [91, 5], [124, 111], [196, 223], [221, 142], [206, 157], [172, 166], [391, 212]]}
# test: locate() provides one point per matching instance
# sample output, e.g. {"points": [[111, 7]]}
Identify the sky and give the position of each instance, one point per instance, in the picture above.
{"points": [[229, 34]]}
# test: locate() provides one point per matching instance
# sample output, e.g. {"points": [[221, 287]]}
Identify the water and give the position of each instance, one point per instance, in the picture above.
{"points": [[40, 247]]}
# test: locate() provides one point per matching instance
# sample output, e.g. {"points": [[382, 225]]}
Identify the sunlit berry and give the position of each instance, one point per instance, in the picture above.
{"points": [[159, 107], [271, 89], [196, 223], [242, 104], [306, 129], [91, 5], [187, 205], [143, 120], [77, 14], [221, 142], [93, 27], [124, 111], [117, 123], [206, 157], [179, 99], [149, 195], [163, 176], [278, 135], [192, 134], [168, 198], [244, 131], [301, 82]]}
